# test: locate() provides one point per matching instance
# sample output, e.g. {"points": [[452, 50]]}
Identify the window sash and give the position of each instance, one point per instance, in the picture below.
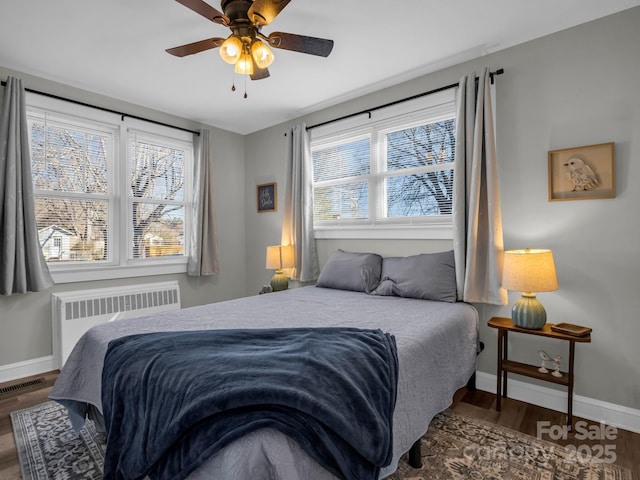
{"points": [[174, 239], [119, 263], [90, 245], [437, 109]]}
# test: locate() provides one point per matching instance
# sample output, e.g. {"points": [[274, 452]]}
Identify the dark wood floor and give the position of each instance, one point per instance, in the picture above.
{"points": [[524, 417], [515, 415], [17, 400]]}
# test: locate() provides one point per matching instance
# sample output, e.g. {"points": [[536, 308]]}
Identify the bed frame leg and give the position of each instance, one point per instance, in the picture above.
{"points": [[471, 383], [415, 455]]}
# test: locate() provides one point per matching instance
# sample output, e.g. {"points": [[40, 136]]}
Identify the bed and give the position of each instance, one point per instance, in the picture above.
{"points": [[436, 355]]}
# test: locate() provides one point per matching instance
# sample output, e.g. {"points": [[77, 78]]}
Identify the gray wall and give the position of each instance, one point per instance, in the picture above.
{"points": [[577, 87], [25, 320]]}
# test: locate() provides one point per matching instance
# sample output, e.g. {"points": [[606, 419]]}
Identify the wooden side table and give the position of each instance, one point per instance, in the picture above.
{"points": [[504, 326]]}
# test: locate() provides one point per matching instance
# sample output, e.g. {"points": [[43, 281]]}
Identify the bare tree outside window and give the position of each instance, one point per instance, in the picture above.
{"points": [[337, 170], [157, 185], [70, 175], [71, 169], [408, 172], [421, 194]]}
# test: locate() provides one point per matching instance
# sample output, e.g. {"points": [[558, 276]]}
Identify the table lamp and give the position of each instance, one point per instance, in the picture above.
{"points": [[529, 270], [279, 257]]}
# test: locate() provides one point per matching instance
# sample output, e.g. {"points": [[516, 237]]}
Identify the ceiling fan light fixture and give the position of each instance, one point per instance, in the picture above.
{"points": [[231, 50], [244, 65], [262, 54], [243, 49]]}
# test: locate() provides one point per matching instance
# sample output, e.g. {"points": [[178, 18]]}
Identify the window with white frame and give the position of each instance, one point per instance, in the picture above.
{"points": [[112, 196], [158, 202], [392, 173]]}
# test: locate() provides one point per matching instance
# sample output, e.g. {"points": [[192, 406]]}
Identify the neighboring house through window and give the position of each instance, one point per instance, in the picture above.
{"points": [[55, 243], [112, 195], [390, 176]]}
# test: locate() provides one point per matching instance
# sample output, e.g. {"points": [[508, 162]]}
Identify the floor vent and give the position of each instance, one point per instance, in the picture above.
{"points": [[21, 386]]}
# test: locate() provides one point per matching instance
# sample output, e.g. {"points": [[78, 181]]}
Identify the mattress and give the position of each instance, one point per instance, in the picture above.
{"points": [[436, 341]]}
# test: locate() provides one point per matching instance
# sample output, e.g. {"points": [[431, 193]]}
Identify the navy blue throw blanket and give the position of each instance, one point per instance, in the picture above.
{"points": [[172, 399]]}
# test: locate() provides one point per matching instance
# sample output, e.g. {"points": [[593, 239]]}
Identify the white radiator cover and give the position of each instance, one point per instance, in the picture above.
{"points": [[74, 313]]}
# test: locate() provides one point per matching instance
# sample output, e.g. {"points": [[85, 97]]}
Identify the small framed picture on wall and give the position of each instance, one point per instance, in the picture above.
{"points": [[267, 194], [582, 173]]}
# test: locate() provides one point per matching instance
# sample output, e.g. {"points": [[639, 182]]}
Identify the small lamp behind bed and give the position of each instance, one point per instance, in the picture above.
{"points": [[528, 271], [279, 257]]}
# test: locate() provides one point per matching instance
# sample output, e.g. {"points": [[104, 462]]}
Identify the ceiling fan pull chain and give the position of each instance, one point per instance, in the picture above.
{"points": [[245, 86]]}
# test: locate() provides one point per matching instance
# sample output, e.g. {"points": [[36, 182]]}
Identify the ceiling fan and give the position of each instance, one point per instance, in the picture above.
{"points": [[244, 48]]}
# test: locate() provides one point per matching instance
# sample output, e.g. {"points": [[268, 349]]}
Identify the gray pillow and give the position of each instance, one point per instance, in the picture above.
{"points": [[359, 272], [429, 276]]}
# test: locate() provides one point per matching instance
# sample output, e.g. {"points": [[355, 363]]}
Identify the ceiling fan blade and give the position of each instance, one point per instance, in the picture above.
{"points": [[301, 43], [259, 73], [262, 12], [196, 47], [205, 10]]}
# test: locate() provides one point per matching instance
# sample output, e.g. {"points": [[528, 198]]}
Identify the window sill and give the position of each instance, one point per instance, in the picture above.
{"points": [[387, 232], [72, 274]]}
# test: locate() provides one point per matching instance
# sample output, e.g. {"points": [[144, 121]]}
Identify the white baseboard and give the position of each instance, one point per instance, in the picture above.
{"points": [[585, 407], [36, 366]]}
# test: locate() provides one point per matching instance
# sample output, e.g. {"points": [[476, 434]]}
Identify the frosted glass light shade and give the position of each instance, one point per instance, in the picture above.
{"points": [[527, 271], [262, 54], [231, 49], [244, 65]]}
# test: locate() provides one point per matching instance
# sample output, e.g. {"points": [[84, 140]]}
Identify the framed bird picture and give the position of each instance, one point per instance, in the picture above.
{"points": [[582, 173]]}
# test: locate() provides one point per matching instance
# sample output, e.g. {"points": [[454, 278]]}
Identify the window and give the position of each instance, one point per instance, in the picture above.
{"points": [[388, 177], [111, 196], [157, 173]]}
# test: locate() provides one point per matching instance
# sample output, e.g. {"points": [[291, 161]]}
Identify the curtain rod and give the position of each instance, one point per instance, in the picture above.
{"points": [[368, 111], [122, 114]]}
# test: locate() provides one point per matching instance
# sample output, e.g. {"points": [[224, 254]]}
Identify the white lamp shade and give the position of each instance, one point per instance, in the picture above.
{"points": [[280, 256], [529, 270]]}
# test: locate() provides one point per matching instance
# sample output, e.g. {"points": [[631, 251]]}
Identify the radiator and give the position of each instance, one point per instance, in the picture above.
{"points": [[73, 313]]}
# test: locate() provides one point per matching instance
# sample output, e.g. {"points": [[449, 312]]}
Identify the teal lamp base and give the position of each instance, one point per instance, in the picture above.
{"points": [[279, 281], [528, 312]]}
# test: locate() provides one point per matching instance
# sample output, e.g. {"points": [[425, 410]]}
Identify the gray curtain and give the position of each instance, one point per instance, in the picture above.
{"points": [[22, 267], [203, 254], [477, 219], [297, 224]]}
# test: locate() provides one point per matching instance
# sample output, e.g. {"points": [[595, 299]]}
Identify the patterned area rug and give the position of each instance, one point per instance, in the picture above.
{"points": [[49, 449], [455, 447]]}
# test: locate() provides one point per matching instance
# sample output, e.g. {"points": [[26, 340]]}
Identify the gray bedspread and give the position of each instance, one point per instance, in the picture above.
{"points": [[436, 344]]}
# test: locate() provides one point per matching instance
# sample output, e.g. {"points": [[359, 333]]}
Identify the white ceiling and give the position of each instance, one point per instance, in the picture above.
{"points": [[117, 48]]}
